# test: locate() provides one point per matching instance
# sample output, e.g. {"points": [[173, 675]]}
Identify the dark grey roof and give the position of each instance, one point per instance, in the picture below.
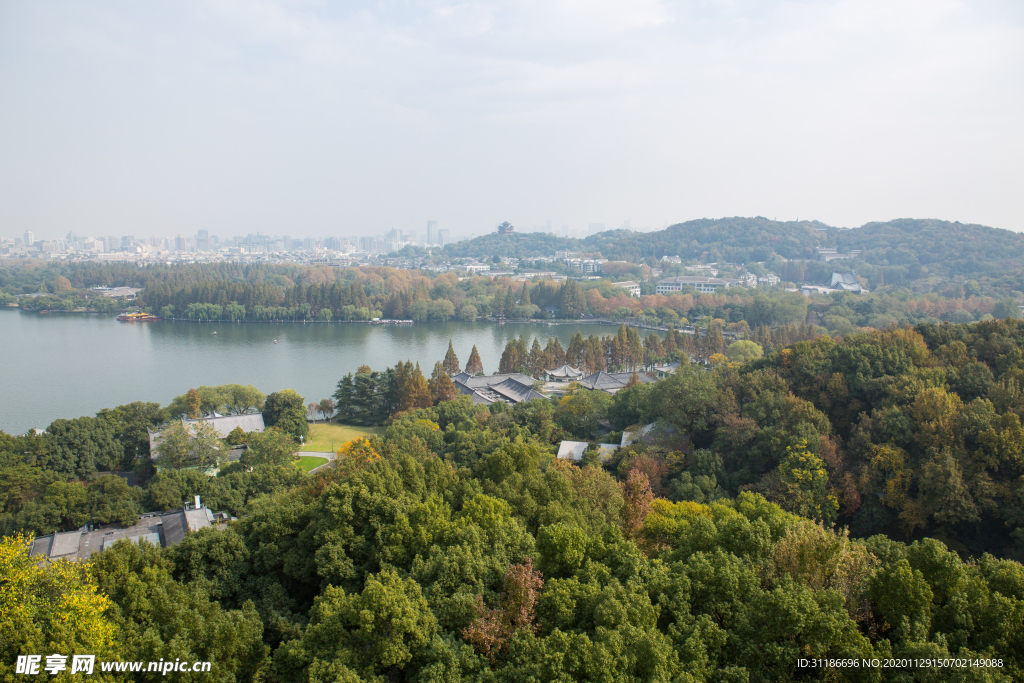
{"points": [[174, 528], [161, 529], [511, 388]]}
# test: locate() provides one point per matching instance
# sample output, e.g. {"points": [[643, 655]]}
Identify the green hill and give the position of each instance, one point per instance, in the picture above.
{"points": [[905, 249]]}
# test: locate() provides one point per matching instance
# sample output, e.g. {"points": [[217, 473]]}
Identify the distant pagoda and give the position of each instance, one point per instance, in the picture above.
{"points": [[506, 228]]}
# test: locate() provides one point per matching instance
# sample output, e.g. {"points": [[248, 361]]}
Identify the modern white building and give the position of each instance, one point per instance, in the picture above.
{"points": [[704, 285], [632, 287]]}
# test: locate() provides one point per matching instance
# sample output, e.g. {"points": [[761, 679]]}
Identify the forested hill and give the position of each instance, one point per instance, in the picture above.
{"points": [[921, 247]]}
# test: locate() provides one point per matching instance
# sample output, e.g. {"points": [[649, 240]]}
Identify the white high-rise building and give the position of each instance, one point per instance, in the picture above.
{"points": [[30, 239]]}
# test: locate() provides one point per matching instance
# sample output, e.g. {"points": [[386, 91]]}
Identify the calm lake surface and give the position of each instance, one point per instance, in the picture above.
{"points": [[69, 365]]}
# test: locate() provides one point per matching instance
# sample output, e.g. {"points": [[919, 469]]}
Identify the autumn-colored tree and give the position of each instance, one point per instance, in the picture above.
{"points": [[555, 352], [327, 406], [474, 366], [312, 409], [356, 454], [61, 284], [637, 497], [419, 391], [192, 403], [49, 607], [492, 629], [451, 361], [537, 361], [442, 388]]}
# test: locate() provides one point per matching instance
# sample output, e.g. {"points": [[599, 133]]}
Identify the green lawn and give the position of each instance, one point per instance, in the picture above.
{"points": [[328, 436], [308, 462]]}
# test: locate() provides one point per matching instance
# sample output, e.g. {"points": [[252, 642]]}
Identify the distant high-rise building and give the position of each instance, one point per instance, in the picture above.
{"points": [[332, 243], [180, 243], [442, 236], [286, 242], [30, 238], [127, 241], [202, 240], [431, 233]]}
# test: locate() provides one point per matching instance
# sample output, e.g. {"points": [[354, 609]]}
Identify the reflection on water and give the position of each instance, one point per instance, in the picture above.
{"points": [[67, 365]]}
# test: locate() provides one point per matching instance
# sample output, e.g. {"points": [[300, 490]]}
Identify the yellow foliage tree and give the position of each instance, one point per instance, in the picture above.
{"points": [[49, 608], [356, 454]]}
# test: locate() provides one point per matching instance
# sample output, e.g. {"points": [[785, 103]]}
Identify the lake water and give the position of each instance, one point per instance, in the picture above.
{"points": [[69, 365]]}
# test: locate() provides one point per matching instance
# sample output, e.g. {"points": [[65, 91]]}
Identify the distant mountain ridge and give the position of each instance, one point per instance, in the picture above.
{"points": [[917, 247]]}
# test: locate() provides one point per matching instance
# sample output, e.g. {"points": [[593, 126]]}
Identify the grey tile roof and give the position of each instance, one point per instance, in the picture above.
{"points": [[613, 381], [161, 529], [565, 371], [174, 528], [510, 388]]}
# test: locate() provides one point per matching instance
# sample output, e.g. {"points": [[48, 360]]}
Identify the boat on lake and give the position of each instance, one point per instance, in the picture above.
{"points": [[138, 318]]}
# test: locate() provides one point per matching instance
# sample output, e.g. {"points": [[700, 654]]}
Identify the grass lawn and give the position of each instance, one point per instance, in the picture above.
{"points": [[328, 436], [308, 462]]}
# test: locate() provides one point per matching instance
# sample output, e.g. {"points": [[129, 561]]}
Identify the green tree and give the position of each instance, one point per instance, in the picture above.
{"points": [[441, 386], [82, 446], [579, 410], [743, 350], [192, 403], [272, 446], [192, 444], [287, 411], [451, 361], [375, 632], [131, 424], [571, 301]]}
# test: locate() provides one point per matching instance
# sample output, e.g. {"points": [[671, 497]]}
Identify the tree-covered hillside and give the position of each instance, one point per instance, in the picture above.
{"points": [[901, 251], [454, 546]]}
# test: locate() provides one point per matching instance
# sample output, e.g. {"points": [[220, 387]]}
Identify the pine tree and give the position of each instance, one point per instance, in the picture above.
{"points": [[537, 361], [555, 352], [571, 300], [419, 390], [403, 385], [577, 350], [475, 366], [441, 386], [451, 361], [524, 298], [510, 302]]}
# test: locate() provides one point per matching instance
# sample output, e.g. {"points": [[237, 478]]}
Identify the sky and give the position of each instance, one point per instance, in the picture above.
{"points": [[343, 119]]}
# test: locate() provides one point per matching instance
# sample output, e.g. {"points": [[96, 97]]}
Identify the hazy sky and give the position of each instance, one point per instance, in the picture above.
{"points": [[322, 118]]}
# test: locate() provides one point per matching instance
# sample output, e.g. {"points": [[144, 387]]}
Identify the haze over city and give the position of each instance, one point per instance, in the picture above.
{"points": [[330, 119]]}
